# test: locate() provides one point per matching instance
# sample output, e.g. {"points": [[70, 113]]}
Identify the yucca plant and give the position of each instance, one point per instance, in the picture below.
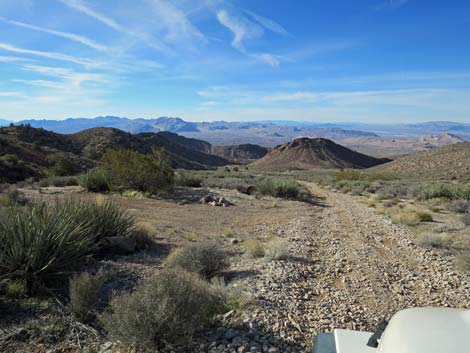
{"points": [[39, 243], [99, 218]]}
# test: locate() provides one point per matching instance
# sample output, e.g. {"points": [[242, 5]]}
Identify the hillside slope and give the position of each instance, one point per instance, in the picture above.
{"points": [[30, 152], [244, 153], [317, 153], [448, 162]]}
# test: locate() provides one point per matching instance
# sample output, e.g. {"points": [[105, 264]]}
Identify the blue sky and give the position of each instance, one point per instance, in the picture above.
{"points": [[326, 61]]}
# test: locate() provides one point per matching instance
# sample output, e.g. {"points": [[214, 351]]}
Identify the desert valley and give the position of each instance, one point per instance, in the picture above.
{"points": [[234, 176], [290, 241]]}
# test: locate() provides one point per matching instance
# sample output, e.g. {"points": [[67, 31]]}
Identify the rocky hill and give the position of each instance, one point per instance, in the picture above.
{"points": [[452, 161], [316, 153], [26, 151], [243, 154]]}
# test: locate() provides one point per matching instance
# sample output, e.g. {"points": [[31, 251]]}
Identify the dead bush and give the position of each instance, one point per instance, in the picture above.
{"points": [[276, 249], [253, 248], [84, 292], [206, 258]]}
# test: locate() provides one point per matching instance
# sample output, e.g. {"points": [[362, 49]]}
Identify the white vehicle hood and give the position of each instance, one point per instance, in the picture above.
{"points": [[427, 330]]}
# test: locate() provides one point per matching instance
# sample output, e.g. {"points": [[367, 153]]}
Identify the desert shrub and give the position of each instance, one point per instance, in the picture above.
{"points": [[166, 309], [253, 248], [282, 188], [459, 206], [443, 229], [463, 261], [133, 170], [59, 181], [276, 249], [184, 179], [95, 180], [443, 190], [143, 238], [424, 216], [61, 166], [84, 293], [206, 258], [408, 218], [100, 218], [466, 219], [437, 241], [39, 244], [231, 297]]}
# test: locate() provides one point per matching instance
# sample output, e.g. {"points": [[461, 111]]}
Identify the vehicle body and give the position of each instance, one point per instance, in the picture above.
{"points": [[417, 330]]}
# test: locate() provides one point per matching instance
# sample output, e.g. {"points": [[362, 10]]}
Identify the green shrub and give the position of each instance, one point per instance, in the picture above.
{"points": [[442, 190], [282, 188], [100, 218], [137, 171], [61, 166], [253, 248], [166, 309], [38, 245], [59, 181], [277, 249], [182, 179], [95, 180], [205, 258], [84, 293]]}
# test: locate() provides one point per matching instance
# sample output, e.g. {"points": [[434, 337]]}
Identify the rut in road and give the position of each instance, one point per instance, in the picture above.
{"points": [[359, 267]]}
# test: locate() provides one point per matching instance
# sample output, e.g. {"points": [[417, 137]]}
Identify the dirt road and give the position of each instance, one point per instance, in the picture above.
{"points": [[351, 268]]}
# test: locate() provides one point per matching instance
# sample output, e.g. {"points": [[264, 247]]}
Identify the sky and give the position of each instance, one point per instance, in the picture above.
{"points": [[372, 61]]}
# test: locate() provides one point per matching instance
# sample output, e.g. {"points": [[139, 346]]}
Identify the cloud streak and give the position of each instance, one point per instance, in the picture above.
{"points": [[81, 7], [46, 54], [74, 37]]}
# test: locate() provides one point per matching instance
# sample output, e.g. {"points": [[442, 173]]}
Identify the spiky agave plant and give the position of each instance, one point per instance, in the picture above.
{"points": [[39, 243], [100, 218]]}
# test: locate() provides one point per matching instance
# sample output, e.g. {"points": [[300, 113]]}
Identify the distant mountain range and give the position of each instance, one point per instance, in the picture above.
{"points": [[265, 133]]}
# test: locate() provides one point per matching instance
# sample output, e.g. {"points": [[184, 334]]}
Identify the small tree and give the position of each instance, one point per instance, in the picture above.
{"points": [[133, 170]]}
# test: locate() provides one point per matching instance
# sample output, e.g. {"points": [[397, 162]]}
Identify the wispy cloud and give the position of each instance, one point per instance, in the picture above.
{"points": [[176, 24], [83, 8], [69, 76], [46, 54], [12, 59], [71, 36], [268, 24], [243, 29]]}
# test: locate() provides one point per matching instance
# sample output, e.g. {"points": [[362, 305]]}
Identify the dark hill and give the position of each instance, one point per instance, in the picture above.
{"points": [[315, 153], [243, 154], [26, 151], [194, 144]]}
